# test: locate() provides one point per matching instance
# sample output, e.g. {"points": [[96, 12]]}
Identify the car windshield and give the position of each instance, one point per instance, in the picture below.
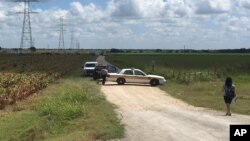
{"points": [[89, 65]]}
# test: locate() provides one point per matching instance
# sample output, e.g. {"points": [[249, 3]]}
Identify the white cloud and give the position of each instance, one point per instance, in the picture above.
{"points": [[77, 8], [89, 12], [245, 3], [213, 6], [125, 8], [150, 8], [134, 24], [2, 15]]}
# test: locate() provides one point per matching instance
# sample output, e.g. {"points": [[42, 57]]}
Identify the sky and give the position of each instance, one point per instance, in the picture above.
{"points": [[131, 24]]}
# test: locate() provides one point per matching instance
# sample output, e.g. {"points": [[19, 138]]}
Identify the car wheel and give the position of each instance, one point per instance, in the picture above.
{"points": [[154, 82], [120, 81]]}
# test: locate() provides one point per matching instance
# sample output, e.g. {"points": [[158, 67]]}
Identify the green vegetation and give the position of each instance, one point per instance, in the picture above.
{"points": [[209, 94], [196, 79], [70, 108], [225, 62], [186, 68], [23, 75], [74, 109]]}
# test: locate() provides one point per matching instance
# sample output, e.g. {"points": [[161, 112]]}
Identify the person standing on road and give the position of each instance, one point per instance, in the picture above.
{"points": [[104, 73], [228, 93]]}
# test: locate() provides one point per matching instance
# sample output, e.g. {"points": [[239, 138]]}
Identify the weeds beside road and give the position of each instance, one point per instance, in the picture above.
{"points": [[72, 109]]}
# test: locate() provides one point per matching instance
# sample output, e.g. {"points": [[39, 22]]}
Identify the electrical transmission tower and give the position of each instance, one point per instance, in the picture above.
{"points": [[26, 38], [72, 40], [61, 36], [77, 44]]}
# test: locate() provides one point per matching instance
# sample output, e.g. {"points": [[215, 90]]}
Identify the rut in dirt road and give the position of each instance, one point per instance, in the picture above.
{"points": [[150, 114]]}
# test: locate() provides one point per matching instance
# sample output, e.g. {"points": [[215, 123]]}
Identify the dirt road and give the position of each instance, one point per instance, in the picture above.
{"points": [[150, 114]]}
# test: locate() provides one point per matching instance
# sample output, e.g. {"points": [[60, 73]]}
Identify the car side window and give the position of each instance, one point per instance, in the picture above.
{"points": [[128, 72], [138, 73]]}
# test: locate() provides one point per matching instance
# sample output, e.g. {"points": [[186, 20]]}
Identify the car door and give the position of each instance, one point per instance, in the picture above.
{"points": [[129, 76], [140, 77]]}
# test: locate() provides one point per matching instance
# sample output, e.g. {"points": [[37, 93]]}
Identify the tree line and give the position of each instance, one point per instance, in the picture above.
{"points": [[241, 50]]}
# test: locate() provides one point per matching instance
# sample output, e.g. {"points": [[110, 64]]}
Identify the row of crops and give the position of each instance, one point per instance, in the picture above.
{"points": [[186, 67], [23, 75]]}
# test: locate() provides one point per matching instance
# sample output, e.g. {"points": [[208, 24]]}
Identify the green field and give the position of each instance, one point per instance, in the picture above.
{"points": [[228, 63], [69, 107], [181, 61], [196, 78]]}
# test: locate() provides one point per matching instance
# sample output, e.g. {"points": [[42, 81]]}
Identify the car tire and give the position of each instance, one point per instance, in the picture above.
{"points": [[120, 81], [154, 82]]}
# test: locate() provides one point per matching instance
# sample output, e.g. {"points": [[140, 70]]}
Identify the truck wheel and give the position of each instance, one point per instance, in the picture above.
{"points": [[154, 82], [120, 81]]}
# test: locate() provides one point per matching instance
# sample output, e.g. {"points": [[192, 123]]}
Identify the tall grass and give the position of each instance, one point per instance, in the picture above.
{"points": [[74, 110], [67, 106]]}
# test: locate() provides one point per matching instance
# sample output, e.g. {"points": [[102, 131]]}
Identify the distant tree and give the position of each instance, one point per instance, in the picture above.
{"points": [[243, 50], [32, 49], [113, 50], [140, 51], [158, 50], [0, 48]]}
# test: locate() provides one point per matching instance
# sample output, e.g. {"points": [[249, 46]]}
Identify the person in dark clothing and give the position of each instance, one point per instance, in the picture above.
{"points": [[104, 73], [228, 93]]}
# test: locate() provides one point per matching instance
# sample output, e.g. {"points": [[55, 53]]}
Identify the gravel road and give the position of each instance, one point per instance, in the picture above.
{"points": [[150, 114]]}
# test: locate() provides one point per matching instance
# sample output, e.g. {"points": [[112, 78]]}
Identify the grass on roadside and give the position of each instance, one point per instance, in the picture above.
{"points": [[209, 94], [75, 110]]}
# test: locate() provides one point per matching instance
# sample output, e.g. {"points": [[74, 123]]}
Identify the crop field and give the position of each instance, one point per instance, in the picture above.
{"points": [[186, 67], [72, 108], [196, 79], [23, 75]]}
